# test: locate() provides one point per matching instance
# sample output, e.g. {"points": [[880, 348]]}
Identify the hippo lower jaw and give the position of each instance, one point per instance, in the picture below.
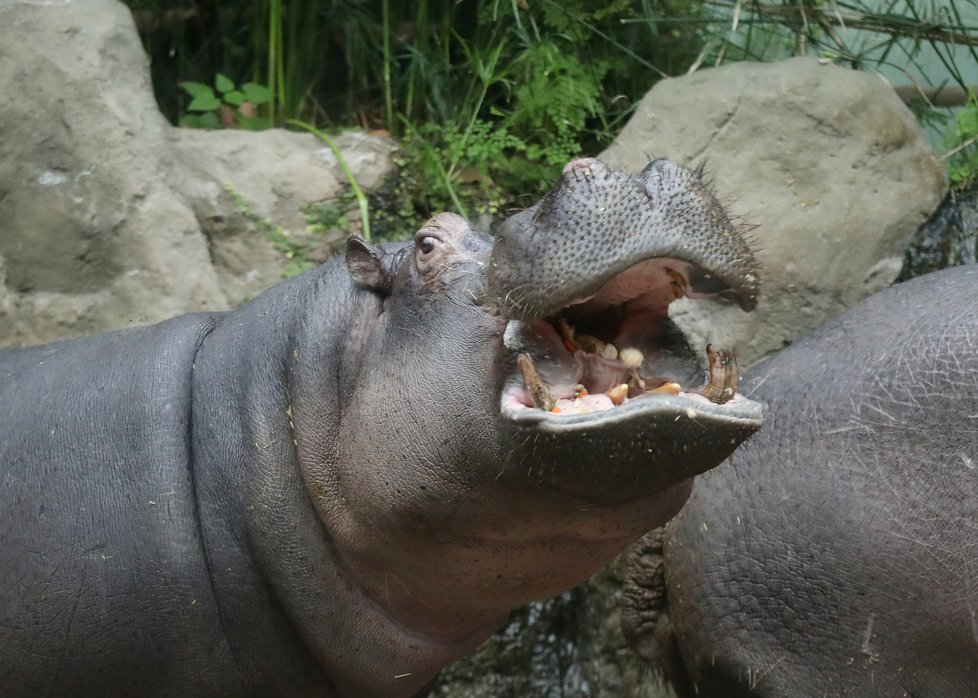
{"points": [[739, 411]]}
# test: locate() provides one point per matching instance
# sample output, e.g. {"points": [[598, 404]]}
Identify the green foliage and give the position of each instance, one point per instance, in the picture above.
{"points": [[865, 34], [351, 180], [446, 165], [489, 98], [227, 106], [487, 94], [557, 99], [961, 141]]}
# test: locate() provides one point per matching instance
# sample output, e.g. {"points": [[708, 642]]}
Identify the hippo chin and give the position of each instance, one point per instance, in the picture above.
{"points": [[348, 483]]}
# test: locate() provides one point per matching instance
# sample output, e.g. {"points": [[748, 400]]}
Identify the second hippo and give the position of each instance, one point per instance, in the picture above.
{"points": [[836, 554]]}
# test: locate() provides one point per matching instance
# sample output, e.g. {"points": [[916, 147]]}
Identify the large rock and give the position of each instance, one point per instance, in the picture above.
{"points": [[828, 162], [275, 174], [88, 227], [105, 209]]}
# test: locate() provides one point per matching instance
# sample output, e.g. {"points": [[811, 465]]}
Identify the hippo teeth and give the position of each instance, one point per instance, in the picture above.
{"points": [[720, 388], [724, 375], [575, 340], [534, 383]]}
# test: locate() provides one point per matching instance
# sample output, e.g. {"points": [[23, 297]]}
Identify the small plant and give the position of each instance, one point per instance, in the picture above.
{"points": [[961, 141], [489, 98], [225, 105], [351, 180]]}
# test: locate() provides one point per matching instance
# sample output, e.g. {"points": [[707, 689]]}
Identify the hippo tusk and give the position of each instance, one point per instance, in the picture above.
{"points": [[724, 376], [534, 384]]}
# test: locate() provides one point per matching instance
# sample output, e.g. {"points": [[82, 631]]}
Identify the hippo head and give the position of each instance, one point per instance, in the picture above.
{"points": [[486, 452], [586, 277]]}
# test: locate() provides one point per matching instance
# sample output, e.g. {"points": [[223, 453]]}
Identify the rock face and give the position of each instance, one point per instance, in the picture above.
{"points": [[948, 239], [108, 215], [275, 173], [828, 162]]}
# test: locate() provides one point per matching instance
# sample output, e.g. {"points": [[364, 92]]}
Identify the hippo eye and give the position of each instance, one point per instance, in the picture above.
{"points": [[427, 244], [428, 251]]}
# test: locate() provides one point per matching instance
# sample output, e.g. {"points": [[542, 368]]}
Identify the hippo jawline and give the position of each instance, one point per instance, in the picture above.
{"points": [[615, 358]]}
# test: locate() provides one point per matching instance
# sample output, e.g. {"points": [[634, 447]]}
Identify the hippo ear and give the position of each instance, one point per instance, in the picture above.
{"points": [[365, 262]]}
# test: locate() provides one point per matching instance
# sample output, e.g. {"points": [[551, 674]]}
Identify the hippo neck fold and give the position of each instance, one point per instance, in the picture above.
{"points": [[266, 545]]}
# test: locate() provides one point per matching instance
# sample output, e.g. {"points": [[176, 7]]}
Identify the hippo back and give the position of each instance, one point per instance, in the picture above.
{"points": [[98, 518], [837, 552]]}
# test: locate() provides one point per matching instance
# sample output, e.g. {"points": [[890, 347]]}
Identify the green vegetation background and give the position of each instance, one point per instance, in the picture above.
{"points": [[489, 98]]}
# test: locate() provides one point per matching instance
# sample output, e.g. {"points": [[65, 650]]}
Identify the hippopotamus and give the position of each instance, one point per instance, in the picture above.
{"points": [[349, 482], [836, 554]]}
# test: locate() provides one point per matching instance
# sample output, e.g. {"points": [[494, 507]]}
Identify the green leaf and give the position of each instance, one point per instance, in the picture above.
{"points": [[208, 120], [254, 123], [295, 268], [257, 94], [223, 83], [235, 97], [197, 89], [204, 103]]}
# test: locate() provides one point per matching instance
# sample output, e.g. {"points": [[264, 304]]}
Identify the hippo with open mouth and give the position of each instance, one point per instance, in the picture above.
{"points": [[347, 484]]}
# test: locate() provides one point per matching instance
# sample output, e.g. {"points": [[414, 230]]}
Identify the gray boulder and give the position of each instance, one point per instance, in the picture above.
{"points": [[88, 227], [275, 173], [109, 216], [828, 162]]}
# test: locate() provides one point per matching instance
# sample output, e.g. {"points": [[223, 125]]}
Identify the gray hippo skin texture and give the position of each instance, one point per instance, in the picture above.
{"points": [[345, 485], [836, 554]]}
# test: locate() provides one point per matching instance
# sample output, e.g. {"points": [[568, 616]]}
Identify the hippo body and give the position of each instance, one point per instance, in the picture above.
{"points": [[339, 488], [836, 554], [109, 570]]}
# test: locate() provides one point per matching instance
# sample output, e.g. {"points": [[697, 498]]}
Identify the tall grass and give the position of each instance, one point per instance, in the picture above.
{"points": [[500, 92], [376, 62]]}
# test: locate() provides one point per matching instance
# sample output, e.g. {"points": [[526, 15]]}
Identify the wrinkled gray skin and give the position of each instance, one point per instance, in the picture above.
{"points": [[836, 554], [322, 493]]}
